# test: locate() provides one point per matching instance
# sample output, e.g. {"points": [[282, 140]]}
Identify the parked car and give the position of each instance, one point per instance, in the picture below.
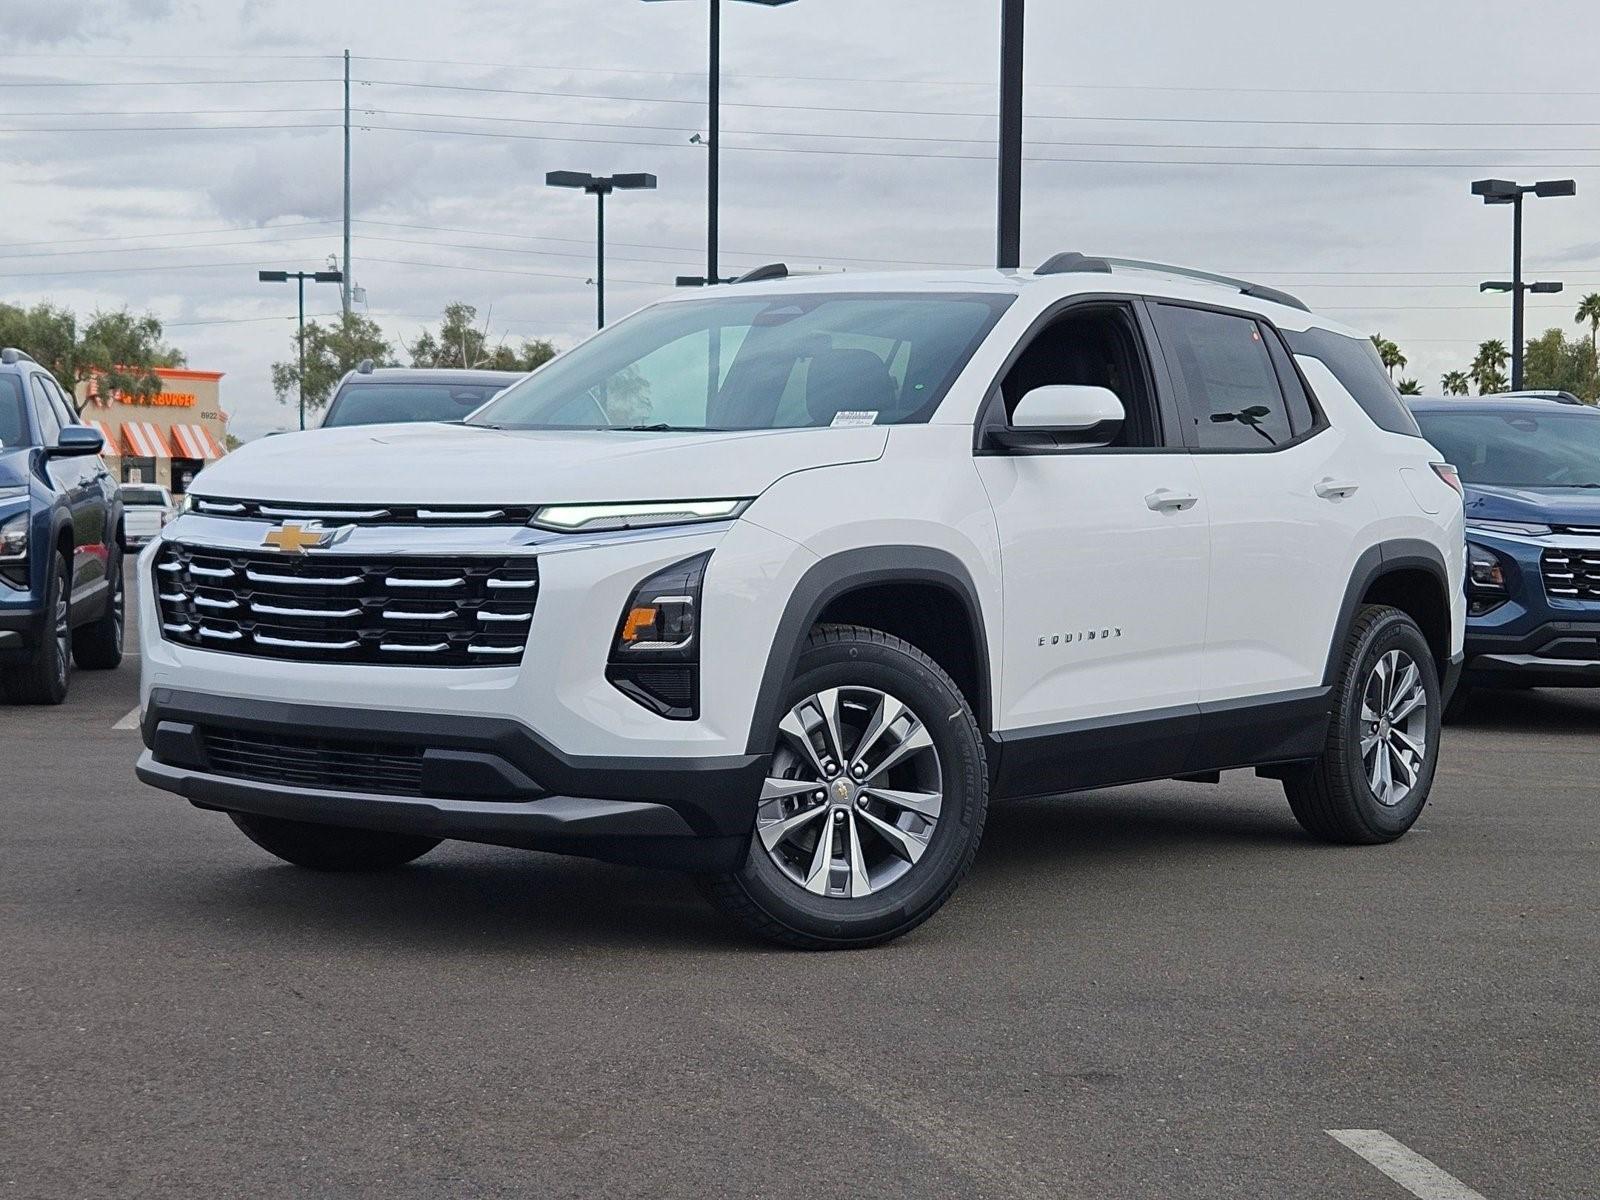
{"points": [[1531, 469], [782, 582], [146, 508], [60, 540], [391, 395]]}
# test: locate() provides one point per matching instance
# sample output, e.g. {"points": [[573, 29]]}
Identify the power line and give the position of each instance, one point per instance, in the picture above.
{"points": [[144, 83], [157, 128], [171, 233], [158, 112], [401, 262], [312, 237]]}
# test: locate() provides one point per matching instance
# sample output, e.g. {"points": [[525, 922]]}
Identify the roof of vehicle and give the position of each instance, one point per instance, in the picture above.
{"points": [[433, 375], [1062, 275], [1522, 403]]}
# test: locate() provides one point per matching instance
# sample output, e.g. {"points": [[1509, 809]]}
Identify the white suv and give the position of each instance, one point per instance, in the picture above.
{"points": [[780, 583]]}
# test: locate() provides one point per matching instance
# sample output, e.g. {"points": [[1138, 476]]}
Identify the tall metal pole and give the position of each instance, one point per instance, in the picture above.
{"points": [[600, 269], [1008, 253], [1516, 293], [300, 284], [344, 288], [714, 144]]}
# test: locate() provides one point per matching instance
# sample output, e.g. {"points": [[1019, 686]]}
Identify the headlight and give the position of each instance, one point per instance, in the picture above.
{"points": [[1486, 579], [14, 537], [1517, 527], [655, 656], [590, 518], [186, 503]]}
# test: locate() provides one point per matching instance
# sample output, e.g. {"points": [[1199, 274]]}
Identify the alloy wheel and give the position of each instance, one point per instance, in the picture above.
{"points": [[854, 795], [118, 610], [1394, 727], [63, 637]]}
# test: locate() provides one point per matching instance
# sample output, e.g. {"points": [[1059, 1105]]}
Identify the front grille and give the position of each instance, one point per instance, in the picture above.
{"points": [[1571, 574], [453, 515], [1578, 530], [310, 762], [396, 611]]}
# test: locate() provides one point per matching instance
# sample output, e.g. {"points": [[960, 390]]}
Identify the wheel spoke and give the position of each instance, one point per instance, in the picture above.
{"points": [[1404, 739], [887, 713], [916, 738], [793, 727], [907, 845], [1367, 743], [1408, 704], [1400, 760], [860, 883], [821, 862], [1375, 770], [926, 804], [828, 706], [780, 827]]}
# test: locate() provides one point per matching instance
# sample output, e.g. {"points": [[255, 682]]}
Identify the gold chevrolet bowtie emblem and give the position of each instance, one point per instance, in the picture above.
{"points": [[297, 539]]}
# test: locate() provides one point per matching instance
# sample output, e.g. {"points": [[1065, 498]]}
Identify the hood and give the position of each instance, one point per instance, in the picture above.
{"points": [[456, 464], [14, 466], [1539, 506]]}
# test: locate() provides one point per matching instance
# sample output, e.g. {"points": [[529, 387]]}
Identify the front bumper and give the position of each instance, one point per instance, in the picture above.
{"points": [[1554, 654], [480, 780]]}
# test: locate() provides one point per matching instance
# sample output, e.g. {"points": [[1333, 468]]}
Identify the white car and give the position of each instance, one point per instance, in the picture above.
{"points": [[146, 509], [781, 583]]}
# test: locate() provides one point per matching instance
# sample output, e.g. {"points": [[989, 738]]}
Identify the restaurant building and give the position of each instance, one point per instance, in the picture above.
{"points": [[165, 438]]}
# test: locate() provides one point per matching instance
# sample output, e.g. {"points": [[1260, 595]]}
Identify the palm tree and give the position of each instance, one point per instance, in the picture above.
{"points": [[1589, 310], [1410, 387], [1389, 353], [1455, 383], [1488, 368]]}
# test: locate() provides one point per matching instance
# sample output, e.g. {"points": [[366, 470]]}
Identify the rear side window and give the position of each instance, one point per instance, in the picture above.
{"points": [[1222, 363], [44, 409], [1356, 365]]}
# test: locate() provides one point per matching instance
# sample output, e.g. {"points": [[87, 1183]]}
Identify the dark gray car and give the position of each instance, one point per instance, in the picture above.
{"points": [[400, 394]]}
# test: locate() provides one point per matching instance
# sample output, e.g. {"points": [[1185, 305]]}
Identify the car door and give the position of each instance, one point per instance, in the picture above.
{"points": [[1104, 552], [1283, 494], [73, 478]]}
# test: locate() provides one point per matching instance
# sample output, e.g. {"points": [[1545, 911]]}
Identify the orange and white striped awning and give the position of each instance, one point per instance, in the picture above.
{"points": [[141, 439], [111, 449], [194, 441]]}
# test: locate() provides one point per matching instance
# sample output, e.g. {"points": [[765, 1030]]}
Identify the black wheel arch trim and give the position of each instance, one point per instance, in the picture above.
{"points": [[839, 574], [1384, 558]]}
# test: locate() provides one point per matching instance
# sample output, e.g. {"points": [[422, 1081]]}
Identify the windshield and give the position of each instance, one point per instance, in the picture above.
{"points": [[383, 403], [1519, 449], [143, 495], [762, 362], [13, 420]]}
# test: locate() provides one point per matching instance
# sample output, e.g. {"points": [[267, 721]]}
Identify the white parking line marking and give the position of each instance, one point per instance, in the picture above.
{"points": [[131, 721], [1405, 1166]]}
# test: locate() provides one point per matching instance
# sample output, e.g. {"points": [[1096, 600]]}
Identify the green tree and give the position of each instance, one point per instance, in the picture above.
{"points": [[117, 349], [1390, 354], [1589, 310], [1410, 387], [331, 350], [460, 343], [1552, 362], [1488, 368], [1455, 383]]}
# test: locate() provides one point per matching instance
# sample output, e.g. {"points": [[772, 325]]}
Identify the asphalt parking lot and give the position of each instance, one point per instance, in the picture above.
{"points": [[1154, 991]]}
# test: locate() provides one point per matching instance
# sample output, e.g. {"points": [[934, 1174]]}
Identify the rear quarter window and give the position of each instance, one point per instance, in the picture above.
{"points": [[1356, 365]]}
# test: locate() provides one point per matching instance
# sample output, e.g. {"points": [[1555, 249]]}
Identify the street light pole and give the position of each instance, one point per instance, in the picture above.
{"points": [[300, 278], [1008, 250], [599, 186], [1504, 191]]}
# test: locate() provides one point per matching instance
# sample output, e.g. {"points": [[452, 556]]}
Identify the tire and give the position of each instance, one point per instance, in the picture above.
{"points": [[897, 851], [43, 678], [332, 847], [98, 645], [1335, 799]]}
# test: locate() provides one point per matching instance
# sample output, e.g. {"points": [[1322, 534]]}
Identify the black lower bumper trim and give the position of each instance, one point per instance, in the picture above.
{"points": [[615, 830], [1555, 654]]}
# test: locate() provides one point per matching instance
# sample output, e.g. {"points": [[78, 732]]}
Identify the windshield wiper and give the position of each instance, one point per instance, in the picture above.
{"points": [[659, 427], [1575, 485]]}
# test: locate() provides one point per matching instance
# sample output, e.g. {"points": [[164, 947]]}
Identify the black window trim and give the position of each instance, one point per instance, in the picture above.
{"points": [[1191, 437], [1158, 379]]}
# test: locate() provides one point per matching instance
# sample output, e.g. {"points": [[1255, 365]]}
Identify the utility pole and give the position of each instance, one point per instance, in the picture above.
{"points": [[1008, 250], [344, 288]]}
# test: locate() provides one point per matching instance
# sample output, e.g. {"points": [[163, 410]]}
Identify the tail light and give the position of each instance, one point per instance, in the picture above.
{"points": [[1447, 473]]}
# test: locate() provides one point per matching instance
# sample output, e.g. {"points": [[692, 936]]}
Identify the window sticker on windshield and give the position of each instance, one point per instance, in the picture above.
{"points": [[846, 417]]}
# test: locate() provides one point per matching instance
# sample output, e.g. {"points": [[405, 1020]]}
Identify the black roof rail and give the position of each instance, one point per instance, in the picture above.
{"points": [[11, 354], [759, 274], [1070, 262], [1244, 287]]}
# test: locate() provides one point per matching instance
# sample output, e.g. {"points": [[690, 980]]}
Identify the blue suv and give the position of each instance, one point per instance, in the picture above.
{"points": [[1531, 472], [61, 595]]}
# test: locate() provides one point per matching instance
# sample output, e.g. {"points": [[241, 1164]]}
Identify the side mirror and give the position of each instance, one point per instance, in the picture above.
{"points": [[75, 441], [1063, 415]]}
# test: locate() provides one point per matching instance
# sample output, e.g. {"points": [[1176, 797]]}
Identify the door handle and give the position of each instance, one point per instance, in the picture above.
{"points": [[1333, 489], [1167, 500]]}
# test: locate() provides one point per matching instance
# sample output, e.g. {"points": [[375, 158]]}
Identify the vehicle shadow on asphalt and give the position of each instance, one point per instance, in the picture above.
{"points": [[1569, 711]]}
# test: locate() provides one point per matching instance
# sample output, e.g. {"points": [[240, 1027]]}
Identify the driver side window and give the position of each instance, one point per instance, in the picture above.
{"points": [[1099, 346], [49, 422]]}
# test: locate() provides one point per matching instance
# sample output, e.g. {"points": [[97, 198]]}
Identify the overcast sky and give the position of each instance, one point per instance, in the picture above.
{"points": [[837, 114]]}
